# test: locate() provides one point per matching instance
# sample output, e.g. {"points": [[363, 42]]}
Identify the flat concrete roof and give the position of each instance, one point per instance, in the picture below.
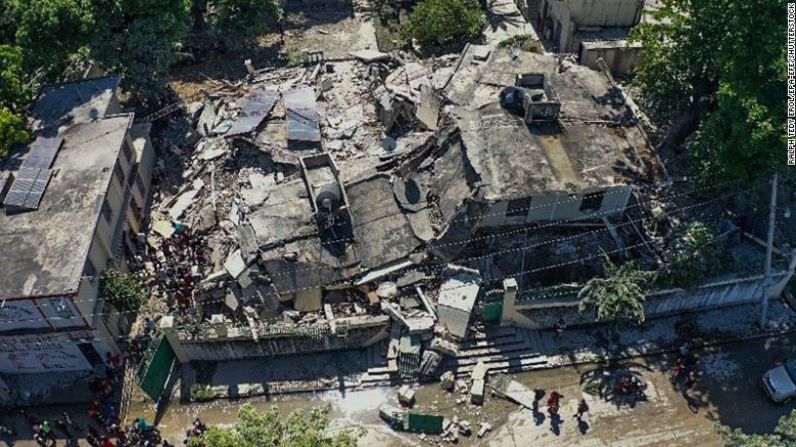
{"points": [[383, 232], [596, 143], [44, 251], [74, 102]]}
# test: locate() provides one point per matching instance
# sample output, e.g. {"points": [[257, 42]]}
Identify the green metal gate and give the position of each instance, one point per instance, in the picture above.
{"points": [[424, 423], [155, 369], [492, 311]]}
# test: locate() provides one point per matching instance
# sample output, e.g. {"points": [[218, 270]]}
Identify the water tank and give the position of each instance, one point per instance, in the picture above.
{"points": [[328, 198]]}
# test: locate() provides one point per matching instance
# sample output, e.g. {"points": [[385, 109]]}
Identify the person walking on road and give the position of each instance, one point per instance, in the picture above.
{"points": [[553, 402], [583, 408]]}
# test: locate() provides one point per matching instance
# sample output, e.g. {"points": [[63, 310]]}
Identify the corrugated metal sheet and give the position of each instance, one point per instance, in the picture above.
{"points": [[28, 188], [5, 184], [303, 120], [258, 105], [43, 152]]}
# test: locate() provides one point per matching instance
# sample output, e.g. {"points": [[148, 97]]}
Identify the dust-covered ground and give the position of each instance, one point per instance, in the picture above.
{"points": [[728, 392]]}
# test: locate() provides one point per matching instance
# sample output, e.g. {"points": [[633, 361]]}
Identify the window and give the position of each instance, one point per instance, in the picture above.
{"points": [[128, 152], [139, 183], [518, 207], [592, 202], [89, 271], [132, 177], [118, 172], [107, 213]]}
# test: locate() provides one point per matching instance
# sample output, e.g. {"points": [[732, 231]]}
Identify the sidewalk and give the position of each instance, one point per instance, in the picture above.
{"points": [[720, 326]]}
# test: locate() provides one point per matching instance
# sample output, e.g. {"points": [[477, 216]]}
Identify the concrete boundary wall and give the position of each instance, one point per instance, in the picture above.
{"points": [[544, 313], [344, 333]]}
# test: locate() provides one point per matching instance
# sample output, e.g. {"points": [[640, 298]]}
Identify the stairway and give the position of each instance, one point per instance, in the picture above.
{"points": [[506, 349]]}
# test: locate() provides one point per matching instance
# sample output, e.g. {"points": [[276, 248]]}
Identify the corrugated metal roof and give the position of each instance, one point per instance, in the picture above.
{"points": [[303, 120], [28, 188], [258, 105]]}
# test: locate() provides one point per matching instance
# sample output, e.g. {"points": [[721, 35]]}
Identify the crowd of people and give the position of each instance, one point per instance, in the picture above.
{"points": [[98, 432], [177, 266]]}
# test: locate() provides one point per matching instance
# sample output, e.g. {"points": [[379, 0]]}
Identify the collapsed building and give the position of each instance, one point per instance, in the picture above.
{"points": [[340, 229]]}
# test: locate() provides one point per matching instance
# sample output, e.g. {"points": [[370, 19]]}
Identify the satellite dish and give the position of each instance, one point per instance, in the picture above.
{"points": [[389, 144]]}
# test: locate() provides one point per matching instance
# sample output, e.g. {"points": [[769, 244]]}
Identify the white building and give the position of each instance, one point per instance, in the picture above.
{"points": [[91, 168]]}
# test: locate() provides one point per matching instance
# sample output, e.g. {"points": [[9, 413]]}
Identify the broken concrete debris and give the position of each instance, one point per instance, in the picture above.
{"points": [[507, 388], [406, 395], [447, 380], [186, 199], [348, 191], [457, 298], [485, 427]]}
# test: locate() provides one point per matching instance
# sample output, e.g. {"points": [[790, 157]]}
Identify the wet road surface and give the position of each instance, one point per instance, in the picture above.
{"points": [[728, 392]]}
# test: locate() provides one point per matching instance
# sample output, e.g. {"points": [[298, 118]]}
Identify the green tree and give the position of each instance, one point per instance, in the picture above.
{"points": [[710, 55], [301, 428], [241, 21], [49, 31], [695, 255], [439, 21], [8, 26], [619, 295], [12, 131], [138, 38], [123, 290], [15, 92], [784, 435]]}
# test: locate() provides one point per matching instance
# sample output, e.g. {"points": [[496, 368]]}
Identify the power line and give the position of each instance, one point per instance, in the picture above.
{"points": [[472, 258], [439, 269]]}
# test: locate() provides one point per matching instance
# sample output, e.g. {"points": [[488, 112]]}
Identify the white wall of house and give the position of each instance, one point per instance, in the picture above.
{"points": [[555, 206], [620, 60], [87, 295], [55, 312], [39, 353], [604, 13], [571, 15]]}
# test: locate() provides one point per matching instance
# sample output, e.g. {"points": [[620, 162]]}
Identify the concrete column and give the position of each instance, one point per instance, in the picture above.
{"points": [[509, 299]]}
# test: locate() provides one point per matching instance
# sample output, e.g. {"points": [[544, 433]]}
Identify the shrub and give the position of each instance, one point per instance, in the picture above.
{"points": [[438, 21], [695, 256], [619, 295], [123, 290], [202, 393], [12, 131]]}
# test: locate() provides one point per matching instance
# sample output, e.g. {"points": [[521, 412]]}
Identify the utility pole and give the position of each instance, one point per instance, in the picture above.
{"points": [[772, 217]]}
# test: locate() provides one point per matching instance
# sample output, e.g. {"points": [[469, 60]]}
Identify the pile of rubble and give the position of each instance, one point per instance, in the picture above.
{"points": [[240, 149]]}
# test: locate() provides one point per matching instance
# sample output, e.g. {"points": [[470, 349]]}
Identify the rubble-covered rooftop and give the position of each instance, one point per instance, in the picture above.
{"points": [[44, 251]]}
